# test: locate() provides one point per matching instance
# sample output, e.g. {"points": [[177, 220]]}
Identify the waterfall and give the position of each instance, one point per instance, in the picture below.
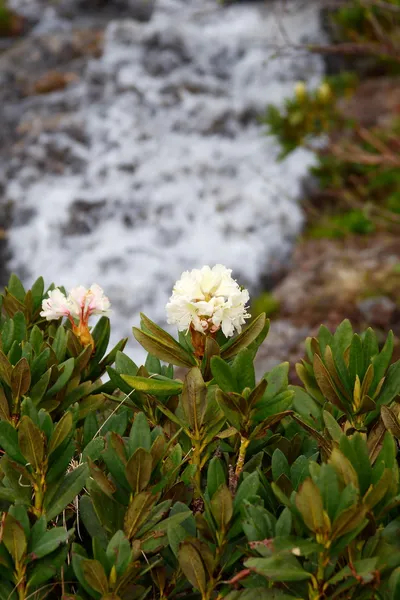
{"points": [[155, 161]]}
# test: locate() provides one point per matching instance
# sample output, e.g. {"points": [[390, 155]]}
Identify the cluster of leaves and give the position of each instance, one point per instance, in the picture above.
{"points": [[357, 171], [209, 485], [308, 113], [11, 24], [373, 25]]}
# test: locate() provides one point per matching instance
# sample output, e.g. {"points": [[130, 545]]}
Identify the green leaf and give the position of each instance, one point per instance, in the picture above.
{"points": [[14, 538], [229, 407], [117, 423], [191, 563], [95, 575], [222, 507], [137, 512], [37, 291], [119, 552], [91, 521], [138, 470], [156, 387], [39, 389], [277, 380], [61, 431], [4, 407], [309, 504], [194, 398], [66, 369], [391, 386], [153, 364], [322, 442], [47, 568], [243, 370], [89, 404], [356, 359], [244, 339], [69, 489], [223, 375], [278, 568], [377, 492], [299, 471], [348, 520], [158, 332], [363, 569], [248, 488], [355, 449], [20, 378], [394, 584], [280, 465], [283, 525], [101, 337], [343, 468], [9, 442], [90, 428], [124, 364], [390, 420], [174, 354], [60, 344], [19, 327], [326, 384], [215, 475], [59, 464], [30, 440], [261, 593], [139, 436], [47, 543], [334, 429], [382, 361], [93, 449], [39, 364], [176, 535], [328, 485], [16, 288], [5, 368]]}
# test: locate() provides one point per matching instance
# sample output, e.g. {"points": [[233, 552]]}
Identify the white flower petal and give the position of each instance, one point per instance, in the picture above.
{"points": [[208, 298], [56, 305]]}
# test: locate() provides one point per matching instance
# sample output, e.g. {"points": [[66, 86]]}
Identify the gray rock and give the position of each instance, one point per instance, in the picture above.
{"points": [[377, 311]]}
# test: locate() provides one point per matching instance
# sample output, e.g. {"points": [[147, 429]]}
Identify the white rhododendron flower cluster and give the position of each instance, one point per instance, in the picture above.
{"points": [[208, 299], [78, 306], [80, 303]]}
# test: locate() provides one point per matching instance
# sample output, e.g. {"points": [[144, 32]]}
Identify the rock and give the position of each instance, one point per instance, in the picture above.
{"points": [[377, 311], [51, 82], [47, 16], [285, 342], [375, 102], [36, 57], [5, 220]]}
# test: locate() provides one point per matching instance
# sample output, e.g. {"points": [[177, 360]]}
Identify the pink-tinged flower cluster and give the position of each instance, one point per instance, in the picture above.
{"points": [[208, 299], [78, 306], [80, 303]]}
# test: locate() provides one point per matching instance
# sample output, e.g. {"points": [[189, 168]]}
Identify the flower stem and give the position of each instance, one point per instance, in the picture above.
{"points": [[244, 442], [196, 460]]}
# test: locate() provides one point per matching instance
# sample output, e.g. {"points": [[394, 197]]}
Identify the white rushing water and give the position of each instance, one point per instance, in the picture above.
{"points": [[172, 169]]}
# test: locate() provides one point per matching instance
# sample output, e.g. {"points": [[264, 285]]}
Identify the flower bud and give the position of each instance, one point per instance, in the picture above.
{"points": [[324, 93], [300, 90]]}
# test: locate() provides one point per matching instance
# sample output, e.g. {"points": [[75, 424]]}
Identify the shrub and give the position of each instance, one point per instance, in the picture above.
{"points": [[357, 167], [203, 484]]}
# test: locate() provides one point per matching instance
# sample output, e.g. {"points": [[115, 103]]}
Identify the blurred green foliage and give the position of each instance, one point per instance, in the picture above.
{"points": [[265, 303], [358, 168]]}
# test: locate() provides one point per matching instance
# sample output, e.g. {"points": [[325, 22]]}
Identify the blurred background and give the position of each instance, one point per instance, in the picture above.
{"points": [[140, 138]]}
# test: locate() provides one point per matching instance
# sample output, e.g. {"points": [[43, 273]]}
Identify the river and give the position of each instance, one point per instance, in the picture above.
{"points": [[163, 164]]}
